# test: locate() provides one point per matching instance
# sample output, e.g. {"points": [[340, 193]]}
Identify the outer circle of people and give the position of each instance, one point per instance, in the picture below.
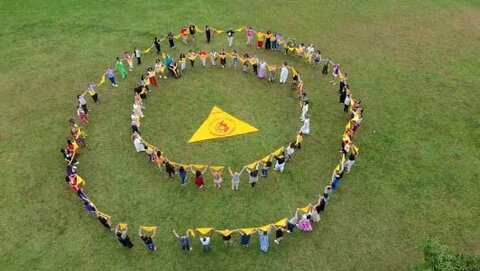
{"points": [[304, 217]]}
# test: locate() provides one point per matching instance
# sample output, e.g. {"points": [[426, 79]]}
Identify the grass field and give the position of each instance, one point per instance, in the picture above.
{"points": [[414, 64]]}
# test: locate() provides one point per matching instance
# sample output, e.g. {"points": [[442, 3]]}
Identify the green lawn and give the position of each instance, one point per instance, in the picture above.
{"points": [[414, 64]]}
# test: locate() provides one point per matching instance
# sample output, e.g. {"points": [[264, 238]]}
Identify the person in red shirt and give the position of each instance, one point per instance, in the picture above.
{"points": [[184, 33], [203, 57], [199, 177]]}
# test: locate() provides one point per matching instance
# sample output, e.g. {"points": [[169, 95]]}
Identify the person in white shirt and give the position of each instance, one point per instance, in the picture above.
{"points": [[205, 240]]}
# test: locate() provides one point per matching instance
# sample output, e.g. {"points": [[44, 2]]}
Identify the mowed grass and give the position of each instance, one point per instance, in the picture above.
{"points": [[413, 64]]}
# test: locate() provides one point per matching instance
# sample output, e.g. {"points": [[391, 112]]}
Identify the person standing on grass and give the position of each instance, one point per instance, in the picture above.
{"points": [[92, 93], [351, 160], [137, 55], [289, 151], [182, 173], [299, 140], [306, 126], [205, 241], [203, 57], [208, 33], [156, 43], [137, 142], [151, 76], [279, 231], [264, 242], [254, 62], [223, 58], [335, 73], [106, 221], [82, 116], [250, 33], [184, 240], [235, 178], [148, 240], [191, 56], [217, 178], [280, 164], [304, 110], [253, 176], [235, 59], [171, 40], [159, 159], [292, 222], [245, 62], [304, 224], [336, 177], [122, 236], [262, 71], [82, 102], [111, 76], [346, 103], [326, 63], [284, 73], [90, 206], [213, 57], [268, 40], [245, 238], [129, 60], [266, 166], [230, 34], [170, 169], [191, 31], [121, 68], [199, 182]]}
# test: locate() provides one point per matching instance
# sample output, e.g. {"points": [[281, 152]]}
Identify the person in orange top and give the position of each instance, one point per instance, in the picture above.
{"points": [[203, 57], [184, 33], [72, 147], [159, 159]]}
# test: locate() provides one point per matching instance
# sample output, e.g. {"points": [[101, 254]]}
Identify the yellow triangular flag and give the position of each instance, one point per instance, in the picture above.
{"points": [[277, 152], [305, 209], [225, 232], [266, 158], [248, 231], [265, 228], [220, 124], [281, 223], [150, 230], [252, 166], [204, 231], [198, 166], [216, 168]]}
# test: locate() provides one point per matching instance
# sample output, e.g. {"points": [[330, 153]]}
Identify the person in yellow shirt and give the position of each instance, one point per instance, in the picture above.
{"points": [[260, 39]]}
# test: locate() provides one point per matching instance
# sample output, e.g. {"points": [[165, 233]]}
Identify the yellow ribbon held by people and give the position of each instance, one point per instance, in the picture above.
{"points": [[248, 231], [102, 80], [220, 124], [204, 231]]}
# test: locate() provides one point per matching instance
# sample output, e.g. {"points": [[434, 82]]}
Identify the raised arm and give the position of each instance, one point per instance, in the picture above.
{"points": [[176, 234], [240, 173], [230, 171], [205, 169]]}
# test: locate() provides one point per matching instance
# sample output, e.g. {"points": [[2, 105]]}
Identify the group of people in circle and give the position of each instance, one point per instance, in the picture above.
{"points": [[268, 40]]}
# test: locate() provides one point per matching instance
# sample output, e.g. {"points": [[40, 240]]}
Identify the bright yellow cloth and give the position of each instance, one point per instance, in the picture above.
{"points": [[248, 231], [305, 209], [122, 226], [281, 223], [216, 168], [204, 231], [252, 166], [265, 228], [225, 232], [102, 80], [220, 124], [148, 49]]}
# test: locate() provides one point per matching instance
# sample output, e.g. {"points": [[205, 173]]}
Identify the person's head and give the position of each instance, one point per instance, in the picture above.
{"points": [[190, 51], [307, 117], [69, 142], [159, 153], [198, 173], [126, 53], [292, 145], [285, 63], [265, 232], [204, 239], [309, 216], [300, 133], [62, 150], [206, 26]]}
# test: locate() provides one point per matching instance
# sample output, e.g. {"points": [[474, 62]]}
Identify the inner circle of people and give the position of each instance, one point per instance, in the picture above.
{"points": [[166, 67]]}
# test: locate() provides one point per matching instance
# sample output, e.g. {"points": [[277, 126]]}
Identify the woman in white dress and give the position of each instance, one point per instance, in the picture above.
{"points": [[306, 126], [304, 110], [284, 73], [137, 142]]}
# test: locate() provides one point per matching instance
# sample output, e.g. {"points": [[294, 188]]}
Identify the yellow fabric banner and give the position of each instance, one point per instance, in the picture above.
{"points": [[305, 209], [281, 223], [148, 49], [191, 232], [148, 230], [265, 228], [204, 231], [252, 166], [177, 36], [225, 232], [198, 166], [266, 158], [102, 80], [277, 152], [240, 29], [248, 231], [220, 124], [216, 168]]}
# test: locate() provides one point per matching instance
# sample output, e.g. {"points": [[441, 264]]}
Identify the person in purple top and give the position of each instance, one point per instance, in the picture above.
{"points": [[111, 76]]}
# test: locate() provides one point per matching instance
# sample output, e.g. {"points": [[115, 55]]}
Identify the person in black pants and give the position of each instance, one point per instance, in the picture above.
{"points": [[208, 33], [191, 31], [156, 42]]}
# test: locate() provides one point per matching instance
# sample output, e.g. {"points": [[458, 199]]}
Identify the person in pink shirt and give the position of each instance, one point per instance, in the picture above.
{"points": [[250, 33]]}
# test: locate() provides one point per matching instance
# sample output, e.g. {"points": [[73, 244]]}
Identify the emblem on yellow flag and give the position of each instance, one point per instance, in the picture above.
{"points": [[220, 124]]}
